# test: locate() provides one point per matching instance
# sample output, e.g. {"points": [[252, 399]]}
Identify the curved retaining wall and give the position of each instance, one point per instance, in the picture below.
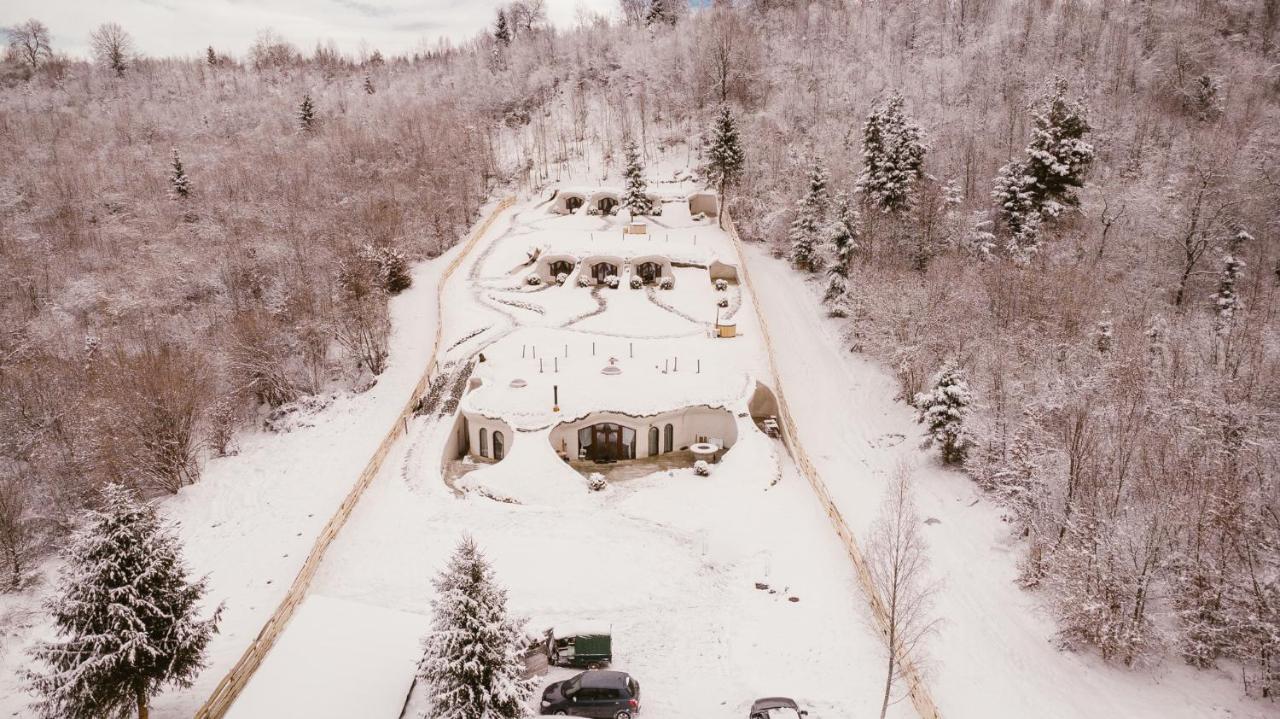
{"points": [[238, 677]]}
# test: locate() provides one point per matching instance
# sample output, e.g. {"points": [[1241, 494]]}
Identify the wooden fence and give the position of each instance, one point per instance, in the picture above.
{"points": [[238, 677], [919, 693]]}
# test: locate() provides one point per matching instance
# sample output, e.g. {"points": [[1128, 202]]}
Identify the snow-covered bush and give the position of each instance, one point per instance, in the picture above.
{"points": [[596, 482], [585, 281], [698, 217], [562, 278], [667, 283], [701, 468], [593, 210], [722, 302], [533, 280], [722, 285], [636, 283], [612, 281]]}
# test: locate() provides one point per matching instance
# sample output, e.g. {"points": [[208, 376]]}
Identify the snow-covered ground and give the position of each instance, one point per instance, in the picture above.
{"points": [[994, 656], [670, 560]]}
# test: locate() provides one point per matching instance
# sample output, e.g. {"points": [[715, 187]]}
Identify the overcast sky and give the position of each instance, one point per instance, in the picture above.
{"points": [[186, 27]]}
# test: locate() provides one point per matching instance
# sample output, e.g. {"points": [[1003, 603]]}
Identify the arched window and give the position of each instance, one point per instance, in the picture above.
{"points": [[669, 438], [497, 445], [484, 442], [653, 441]]}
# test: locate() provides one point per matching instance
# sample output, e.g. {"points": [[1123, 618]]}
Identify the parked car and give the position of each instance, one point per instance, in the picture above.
{"points": [[595, 693], [776, 708]]}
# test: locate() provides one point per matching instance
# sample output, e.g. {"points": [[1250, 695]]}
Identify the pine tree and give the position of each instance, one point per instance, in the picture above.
{"points": [[368, 85], [659, 14], [944, 410], [893, 152], [844, 234], [1042, 185], [724, 158], [211, 57], [125, 614], [635, 199], [1226, 302], [306, 114], [501, 30], [178, 179], [807, 227], [472, 661]]}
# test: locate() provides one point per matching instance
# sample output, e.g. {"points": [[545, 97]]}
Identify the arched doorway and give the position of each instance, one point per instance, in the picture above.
{"points": [[601, 270], [484, 442], [669, 438], [606, 205], [572, 203], [499, 446], [654, 447], [560, 267], [606, 442], [649, 272]]}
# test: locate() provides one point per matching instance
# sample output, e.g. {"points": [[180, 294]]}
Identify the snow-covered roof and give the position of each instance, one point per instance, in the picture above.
{"points": [[662, 376]]}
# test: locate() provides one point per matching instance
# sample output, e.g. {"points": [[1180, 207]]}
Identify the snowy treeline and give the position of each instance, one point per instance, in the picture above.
{"points": [[188, 245]]}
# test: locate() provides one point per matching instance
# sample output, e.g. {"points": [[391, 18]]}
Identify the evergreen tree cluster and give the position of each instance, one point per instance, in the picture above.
{"points": [[893, 151], [1040, 186]]}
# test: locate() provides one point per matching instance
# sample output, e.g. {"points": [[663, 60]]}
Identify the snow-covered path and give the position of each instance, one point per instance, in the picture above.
{"points": [[994, 656]]}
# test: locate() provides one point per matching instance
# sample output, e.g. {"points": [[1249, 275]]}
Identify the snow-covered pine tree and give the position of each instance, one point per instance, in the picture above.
{"points": [[844, 233], [837, 286], [306, 114], [1043, 184], [472, 660], [810, 218], [893, 152], [1104, 335], [501, 30], [659, 14], [634, 198], [724, 158], [126, 615], [211, 57], [1226, 300], [944, 410], [369, 89], [178, 179]]}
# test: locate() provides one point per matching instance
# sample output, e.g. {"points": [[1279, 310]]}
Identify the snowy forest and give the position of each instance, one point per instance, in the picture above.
{"points": [[1056, 221]]}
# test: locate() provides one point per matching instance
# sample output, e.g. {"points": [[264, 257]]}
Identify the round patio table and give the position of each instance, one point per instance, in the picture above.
{"points": [[704, 450]]}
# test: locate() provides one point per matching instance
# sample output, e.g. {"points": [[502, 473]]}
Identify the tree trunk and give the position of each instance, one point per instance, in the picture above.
{"points": [[888, 685], [144, 711]]}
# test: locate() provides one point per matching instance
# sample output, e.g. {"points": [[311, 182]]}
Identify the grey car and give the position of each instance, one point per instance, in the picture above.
{"points": [[776, 708], [601, 694]]}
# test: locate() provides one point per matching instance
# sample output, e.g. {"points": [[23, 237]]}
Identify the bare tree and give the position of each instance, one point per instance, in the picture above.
{"points": [[29, 43], [898, 564], [112, 46], [18, 535]]}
